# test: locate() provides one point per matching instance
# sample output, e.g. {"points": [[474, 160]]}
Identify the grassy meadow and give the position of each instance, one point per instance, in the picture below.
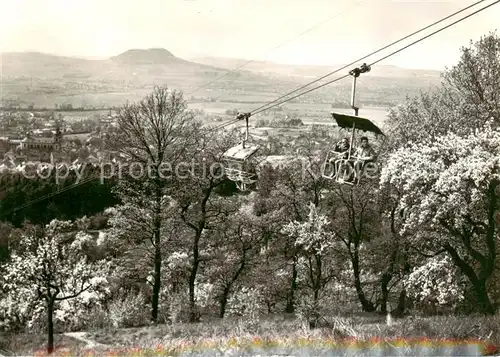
{"points": [[283, 334]]}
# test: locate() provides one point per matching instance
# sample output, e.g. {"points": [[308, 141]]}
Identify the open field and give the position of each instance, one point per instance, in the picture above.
{"points": [[81, 136], [309, 113], [283, 334], [45, 80]]}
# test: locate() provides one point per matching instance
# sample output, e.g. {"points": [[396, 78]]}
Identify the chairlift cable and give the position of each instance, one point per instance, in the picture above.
{"points": [[258, 110], [221, 126], [435, 32], [301, 94], [379, 60], [232, 121], [52, 194]]}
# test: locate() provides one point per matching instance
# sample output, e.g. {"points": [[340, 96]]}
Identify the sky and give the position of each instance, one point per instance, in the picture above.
{"points": [[340, 31]]}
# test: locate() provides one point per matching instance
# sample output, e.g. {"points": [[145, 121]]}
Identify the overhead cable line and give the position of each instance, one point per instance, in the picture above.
{"points": [[264, 108], [277, 47], [268, 105], [44, 197], [258, 110]]}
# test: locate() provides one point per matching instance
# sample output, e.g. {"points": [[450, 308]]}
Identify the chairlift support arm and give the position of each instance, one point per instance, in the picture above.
{"points": [[355, 73], [244, 116]]}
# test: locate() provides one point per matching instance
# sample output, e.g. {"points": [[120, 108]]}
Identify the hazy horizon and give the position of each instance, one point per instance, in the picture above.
{"points": [[260, 30], [207, 56]]}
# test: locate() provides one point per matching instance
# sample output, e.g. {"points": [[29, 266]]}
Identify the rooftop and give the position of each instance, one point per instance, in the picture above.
{"points": [[241, 153], [39, 139]]}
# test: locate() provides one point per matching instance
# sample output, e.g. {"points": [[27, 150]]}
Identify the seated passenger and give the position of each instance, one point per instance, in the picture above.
{"points": [[342, 148], [364, 154], [341, 152]]}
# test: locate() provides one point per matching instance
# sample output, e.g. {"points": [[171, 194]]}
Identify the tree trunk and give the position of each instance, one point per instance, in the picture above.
{"points": [[402, 300], [223, 302], [290, 304], [316, 295], [484, 304], [317, 282], [483, 300], [365, 303], [384, 286], [193, 316], [50, 326], [227, 288], [400, 309], [386, 279], [157, 280], [157, 256]]}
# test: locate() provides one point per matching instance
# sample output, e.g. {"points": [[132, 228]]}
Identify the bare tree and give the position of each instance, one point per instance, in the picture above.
{"points": [[202, 208], [355, 221], [155, 134]]}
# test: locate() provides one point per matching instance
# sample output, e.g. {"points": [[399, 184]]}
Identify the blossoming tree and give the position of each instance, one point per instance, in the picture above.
{"points": [[51, 268], [314, 241], [449, 194], [469, 96], [436, 285]]}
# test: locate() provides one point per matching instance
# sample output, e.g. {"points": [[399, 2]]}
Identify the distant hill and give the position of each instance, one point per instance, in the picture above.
{"points": [[46, 80], [121, 66], [162, 58], [150, 56], [270, 68]]}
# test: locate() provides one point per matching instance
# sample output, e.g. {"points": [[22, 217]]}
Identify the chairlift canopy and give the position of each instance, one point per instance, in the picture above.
{"points": [[240, 153], [347, 121]]}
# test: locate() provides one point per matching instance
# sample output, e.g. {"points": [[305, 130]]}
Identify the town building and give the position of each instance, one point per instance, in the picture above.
{"points": [[34, 148]]}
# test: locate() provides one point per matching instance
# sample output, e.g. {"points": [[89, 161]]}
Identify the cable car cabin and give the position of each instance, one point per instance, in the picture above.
{"points": [[239, 166], [346, 166]]}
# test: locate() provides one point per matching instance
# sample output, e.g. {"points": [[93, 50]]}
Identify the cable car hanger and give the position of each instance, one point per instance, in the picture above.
{"points": [[342, 170], [244, 116], [239, 168]]}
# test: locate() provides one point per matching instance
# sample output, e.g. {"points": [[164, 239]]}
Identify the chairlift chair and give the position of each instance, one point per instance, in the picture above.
{"points": [[343, 169], [238, 164]]}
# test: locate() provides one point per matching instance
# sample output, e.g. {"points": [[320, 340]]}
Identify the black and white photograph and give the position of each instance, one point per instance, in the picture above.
{"points": [[249, 178]]}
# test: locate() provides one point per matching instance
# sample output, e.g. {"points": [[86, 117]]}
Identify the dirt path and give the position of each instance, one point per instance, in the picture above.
{"points": [[81, 336]]}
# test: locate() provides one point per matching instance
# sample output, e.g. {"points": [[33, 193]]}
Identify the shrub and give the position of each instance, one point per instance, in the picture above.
{"points": [[129, 311], [436, 286], [246, 302]]}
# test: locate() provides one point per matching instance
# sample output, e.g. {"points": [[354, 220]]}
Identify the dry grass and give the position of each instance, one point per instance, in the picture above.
{"points": [[26, 344], [283, 333]]}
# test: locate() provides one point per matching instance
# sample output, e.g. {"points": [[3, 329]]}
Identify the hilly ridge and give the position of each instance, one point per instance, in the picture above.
{"points": [[268, 67], [149, 56], [42, 79]]}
